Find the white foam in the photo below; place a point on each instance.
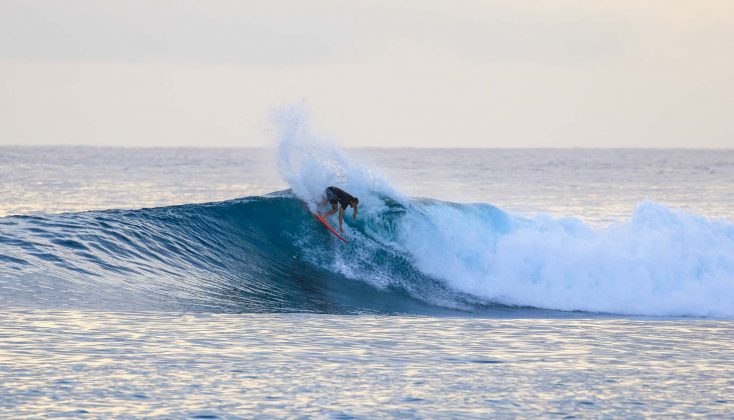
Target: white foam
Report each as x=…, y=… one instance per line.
x=661, y=262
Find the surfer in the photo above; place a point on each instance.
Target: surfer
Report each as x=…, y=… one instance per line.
x=337, y=196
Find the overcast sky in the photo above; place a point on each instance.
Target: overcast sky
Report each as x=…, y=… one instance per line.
x=371, y=73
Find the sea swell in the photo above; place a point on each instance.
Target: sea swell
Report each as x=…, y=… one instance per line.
x=242, y=255
x=268, y=254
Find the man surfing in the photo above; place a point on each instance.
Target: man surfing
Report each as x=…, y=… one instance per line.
x=337, y=196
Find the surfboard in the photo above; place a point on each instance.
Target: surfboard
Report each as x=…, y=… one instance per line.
x=328, y=226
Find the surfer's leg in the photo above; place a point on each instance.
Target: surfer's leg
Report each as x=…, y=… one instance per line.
x=341, y=217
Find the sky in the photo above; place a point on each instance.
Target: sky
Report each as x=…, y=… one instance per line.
x=562, y=73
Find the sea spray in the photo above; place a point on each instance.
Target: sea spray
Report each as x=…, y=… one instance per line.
x=661, y=262
x=309, y=163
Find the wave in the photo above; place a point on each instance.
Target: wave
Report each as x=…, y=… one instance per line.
x=405, y=255
x=268, y=254
x=257, y=254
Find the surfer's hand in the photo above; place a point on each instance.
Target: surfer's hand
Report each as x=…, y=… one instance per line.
x=341, y=229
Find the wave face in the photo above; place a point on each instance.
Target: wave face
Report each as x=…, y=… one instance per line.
x=268, y=254
x=258, y=254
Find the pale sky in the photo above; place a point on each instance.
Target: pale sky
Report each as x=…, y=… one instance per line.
x=558, y=73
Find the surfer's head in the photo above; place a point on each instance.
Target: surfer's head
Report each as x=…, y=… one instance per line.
x=354, y=202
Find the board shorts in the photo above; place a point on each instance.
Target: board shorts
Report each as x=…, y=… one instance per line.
x=331, y=196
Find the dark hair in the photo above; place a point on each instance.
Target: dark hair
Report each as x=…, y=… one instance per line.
x=356, y=200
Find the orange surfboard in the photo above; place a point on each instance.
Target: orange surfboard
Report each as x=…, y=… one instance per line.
x=328, y=226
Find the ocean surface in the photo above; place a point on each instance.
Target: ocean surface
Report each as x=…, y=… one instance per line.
x=195, y=283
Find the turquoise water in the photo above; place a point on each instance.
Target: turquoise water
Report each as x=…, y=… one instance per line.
x=195, y=283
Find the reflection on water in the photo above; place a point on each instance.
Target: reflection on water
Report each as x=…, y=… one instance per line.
x=226, y=365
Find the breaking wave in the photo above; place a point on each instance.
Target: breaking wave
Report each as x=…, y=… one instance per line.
x=405, y=255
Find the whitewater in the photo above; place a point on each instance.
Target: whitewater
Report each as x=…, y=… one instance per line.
x=196, y=283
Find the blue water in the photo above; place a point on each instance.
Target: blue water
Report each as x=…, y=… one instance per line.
x=185, y=283
x=267, y=254
x=245, y=255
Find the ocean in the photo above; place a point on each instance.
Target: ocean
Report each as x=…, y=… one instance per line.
x=195, y=283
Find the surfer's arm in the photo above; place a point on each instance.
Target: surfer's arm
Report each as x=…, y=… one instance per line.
x=332, y=211
x=354, y=215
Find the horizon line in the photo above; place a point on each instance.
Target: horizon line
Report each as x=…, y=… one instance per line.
x=86, y=146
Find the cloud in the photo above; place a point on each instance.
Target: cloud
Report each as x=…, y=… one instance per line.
x=380, y=73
